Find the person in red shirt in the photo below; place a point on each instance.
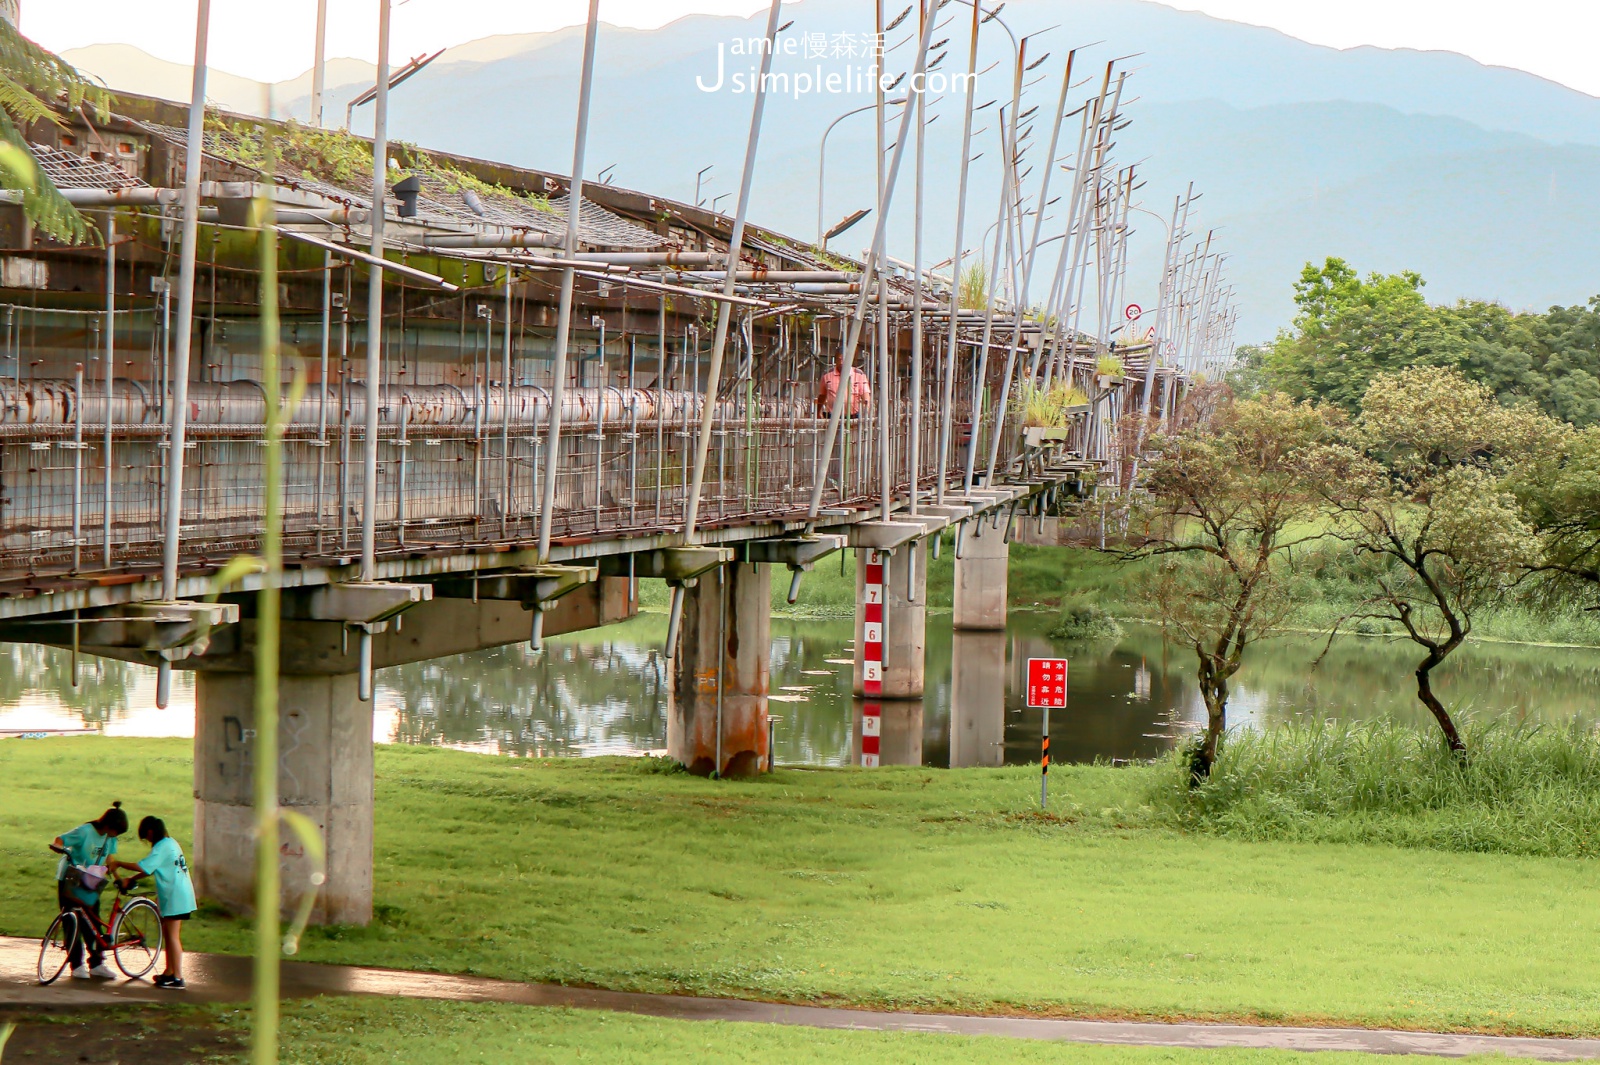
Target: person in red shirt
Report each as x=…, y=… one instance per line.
x=860, y=393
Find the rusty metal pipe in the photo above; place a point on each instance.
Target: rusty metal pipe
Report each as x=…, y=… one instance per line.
x=493, y=238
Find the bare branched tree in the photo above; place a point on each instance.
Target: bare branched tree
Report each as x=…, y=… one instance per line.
x=1228, y=499
x=1417, y=489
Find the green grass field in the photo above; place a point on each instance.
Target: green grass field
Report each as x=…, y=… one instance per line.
x=910, y=888
x=365, y=1032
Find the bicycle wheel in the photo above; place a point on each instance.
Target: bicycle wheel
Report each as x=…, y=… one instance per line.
x=56, y=945
x=136, y=938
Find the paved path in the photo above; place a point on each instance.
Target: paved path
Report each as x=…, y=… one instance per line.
x=225, y=978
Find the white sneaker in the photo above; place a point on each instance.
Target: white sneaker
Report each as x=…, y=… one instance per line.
x=81, y=972
x=103, y=972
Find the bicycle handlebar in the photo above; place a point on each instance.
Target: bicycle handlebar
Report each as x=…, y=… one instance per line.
x=58, y=850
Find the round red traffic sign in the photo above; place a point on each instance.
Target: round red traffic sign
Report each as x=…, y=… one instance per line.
x=1133, y=312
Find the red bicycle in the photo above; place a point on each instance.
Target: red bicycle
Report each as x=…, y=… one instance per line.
x=132, y=935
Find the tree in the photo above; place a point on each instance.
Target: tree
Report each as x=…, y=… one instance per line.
x=1348, y=330
x=1227, y=492
x=33, y=79
x=1560, y=495
x=1418, y=489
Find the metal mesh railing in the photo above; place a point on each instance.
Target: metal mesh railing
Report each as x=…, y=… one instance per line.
x=457, y=467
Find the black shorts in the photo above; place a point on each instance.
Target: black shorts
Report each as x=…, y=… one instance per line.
x=177, y=916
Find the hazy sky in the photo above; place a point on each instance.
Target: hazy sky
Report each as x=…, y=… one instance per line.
x=1552, y=38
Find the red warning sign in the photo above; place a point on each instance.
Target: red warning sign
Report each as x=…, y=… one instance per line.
x=1047, y=683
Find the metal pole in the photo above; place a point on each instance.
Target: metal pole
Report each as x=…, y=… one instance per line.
x=111, y=372
x=950, y=348
x=1060, y=301
x=914, y=450
x=318, y=66
x=982, y=372
x=599, y=322
x=77, y=468
x=868, y=279
x=380, y=188
x=193, y=160
x=1044, y=761
x=708, y=404
x=1044, y=195
x=881, y=330
x=505, y=415
x=322, y=391
x=722, y=588
x=822, y=160
x=552, y=457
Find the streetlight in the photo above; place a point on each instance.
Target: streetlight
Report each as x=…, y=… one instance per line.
x=822, y=154
x=416, y=64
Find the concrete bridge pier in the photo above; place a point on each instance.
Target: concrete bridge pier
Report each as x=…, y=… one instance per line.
x=717, y=706
x=980, y=579
x=905, y=620
x=325, y=751
x=324, y=773
x=977, y=698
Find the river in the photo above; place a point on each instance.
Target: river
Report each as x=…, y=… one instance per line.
x=604, y=692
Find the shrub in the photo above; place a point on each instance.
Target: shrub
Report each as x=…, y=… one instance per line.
x=1520, y=790
x=1082, y=620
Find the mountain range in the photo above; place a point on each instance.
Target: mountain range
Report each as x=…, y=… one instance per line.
x=1481, y=178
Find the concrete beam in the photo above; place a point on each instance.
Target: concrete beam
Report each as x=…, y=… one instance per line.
x=669, y=563
x=432, y=629
x=888, y=535
x=951, y=514
x=160, y=630
x=353, y=602
x=799, y=552
x=530, y=587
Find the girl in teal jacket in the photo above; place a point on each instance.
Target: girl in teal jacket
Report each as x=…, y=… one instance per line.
x=174, y=893
x=91, y=843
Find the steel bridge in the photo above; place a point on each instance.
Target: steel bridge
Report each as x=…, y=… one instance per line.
x=514, y=395
x=463, y=405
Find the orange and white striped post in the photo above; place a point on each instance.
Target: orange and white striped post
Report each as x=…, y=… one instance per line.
x=1047, y=689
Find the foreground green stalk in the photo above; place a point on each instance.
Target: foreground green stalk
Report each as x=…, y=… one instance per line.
x=264, y=1033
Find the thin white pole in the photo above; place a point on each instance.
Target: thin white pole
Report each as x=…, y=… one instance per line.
x=380, y=189
x=552, y=460
x=319, y=64
x=951, y=345
x=110, y=374
x=193, y=160
x=708, y=403
x=868, y=279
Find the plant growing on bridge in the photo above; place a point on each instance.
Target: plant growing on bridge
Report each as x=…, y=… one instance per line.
x=973, y=291
x=1228, y=500
x=1048, y=407
x=32, y=81
x=1418, y=489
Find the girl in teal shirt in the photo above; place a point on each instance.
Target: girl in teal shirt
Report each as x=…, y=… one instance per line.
x=91, y=843
x=174, y=893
